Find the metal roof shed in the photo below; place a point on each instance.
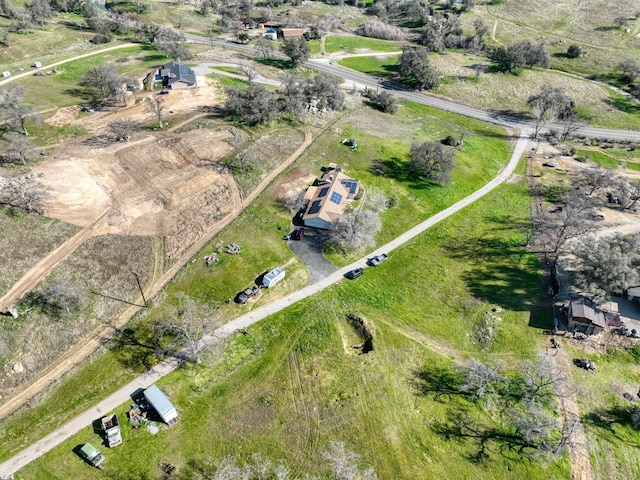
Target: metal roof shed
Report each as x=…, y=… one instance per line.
x=161, y=404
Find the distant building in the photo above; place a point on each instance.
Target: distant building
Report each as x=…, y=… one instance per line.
x=271, y=34
x=327, y=198
x=288, y=33
x=176, y=75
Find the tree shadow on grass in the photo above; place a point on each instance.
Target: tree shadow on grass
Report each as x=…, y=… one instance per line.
x=136, y=348
x=437, y=381
x=617, y=415
x=276, y=62
x=624, y=104
x=461, y=426
x=500, y=271
x=398, y=169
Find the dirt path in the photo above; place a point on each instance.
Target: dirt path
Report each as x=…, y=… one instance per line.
x=39, y=272
x=76, y=355
x=66, y=60
x=570, y=410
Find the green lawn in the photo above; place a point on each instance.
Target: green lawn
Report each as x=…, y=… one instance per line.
x=383, y=66
x=354, y=44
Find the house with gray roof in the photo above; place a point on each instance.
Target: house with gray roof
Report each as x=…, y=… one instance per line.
x=176, y=75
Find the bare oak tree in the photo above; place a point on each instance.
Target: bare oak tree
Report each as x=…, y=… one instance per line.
x=573, y=217
x=344, y=463
x=482, y=379
x=23, y=193
x=19, y=148
x=187, y=325
x=608, y=265
x=14, y=112
x=356, y=230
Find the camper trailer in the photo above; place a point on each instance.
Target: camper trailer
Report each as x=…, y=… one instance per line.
x=273, y=277
x=161, y=404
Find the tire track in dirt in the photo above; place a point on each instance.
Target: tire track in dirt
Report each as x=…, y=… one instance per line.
x=76, y=355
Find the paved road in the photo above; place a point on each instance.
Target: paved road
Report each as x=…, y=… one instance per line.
x=325, y=66
x=123, y=395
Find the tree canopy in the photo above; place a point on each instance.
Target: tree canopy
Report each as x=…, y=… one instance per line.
x=416, y=70
x=431, y=161
x=608, y=265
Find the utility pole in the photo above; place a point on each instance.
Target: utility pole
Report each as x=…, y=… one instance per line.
x=137, y=275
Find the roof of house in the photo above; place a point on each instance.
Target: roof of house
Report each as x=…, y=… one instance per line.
x=584, y=308
x=328, y=198
x=177, y=72
x=292, y=32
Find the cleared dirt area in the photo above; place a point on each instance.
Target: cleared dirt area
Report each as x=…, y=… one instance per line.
x=151, y=185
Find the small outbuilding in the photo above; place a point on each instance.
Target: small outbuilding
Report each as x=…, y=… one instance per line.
x=37, y=64
x=157, y=399
x=586, y=316
x=273, y=277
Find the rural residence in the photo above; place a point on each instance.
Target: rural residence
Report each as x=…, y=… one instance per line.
x=327, y=198
x=176, y=75
x=585, y=316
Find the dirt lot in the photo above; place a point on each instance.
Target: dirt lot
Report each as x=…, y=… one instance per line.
x=151, y=185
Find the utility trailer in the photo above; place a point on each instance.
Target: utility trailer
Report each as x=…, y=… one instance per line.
x=111, y=428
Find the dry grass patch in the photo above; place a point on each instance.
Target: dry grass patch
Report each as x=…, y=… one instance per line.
x=510, y=92
x=25, y=240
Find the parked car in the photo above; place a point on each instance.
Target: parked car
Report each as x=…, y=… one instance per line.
x=297, y=234
x=245, y=295
x=92, y=455
x=353, y=274
x=377, y=260
x=550, y=164
x=163, y=92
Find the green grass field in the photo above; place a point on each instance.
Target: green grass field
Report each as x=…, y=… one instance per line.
x=606, y=414
x=259, y=230
x=292, y=384
x=353, y=45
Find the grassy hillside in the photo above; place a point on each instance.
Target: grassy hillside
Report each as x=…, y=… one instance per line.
x=293, y=384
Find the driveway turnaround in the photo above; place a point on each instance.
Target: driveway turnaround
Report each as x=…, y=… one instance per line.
x=145, y=380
